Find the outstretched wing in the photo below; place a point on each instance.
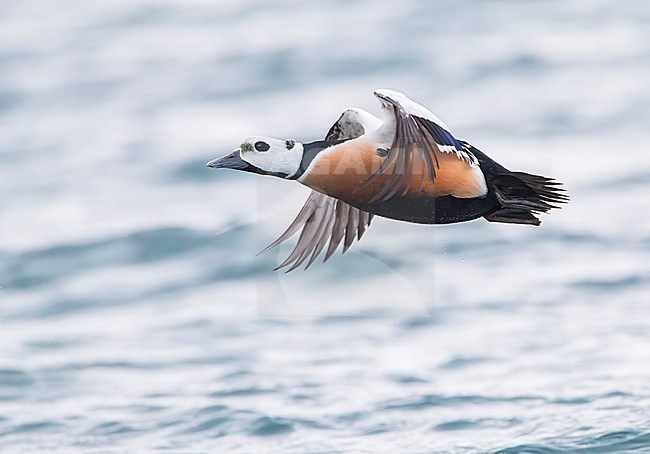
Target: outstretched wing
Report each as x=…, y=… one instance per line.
x=419, y=135
x=324, y=218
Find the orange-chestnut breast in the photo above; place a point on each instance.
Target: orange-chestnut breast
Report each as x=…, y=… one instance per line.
x=342, y=170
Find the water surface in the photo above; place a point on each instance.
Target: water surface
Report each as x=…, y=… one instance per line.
x=135, y=317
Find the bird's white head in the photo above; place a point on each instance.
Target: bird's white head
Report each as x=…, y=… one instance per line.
x=265, y=156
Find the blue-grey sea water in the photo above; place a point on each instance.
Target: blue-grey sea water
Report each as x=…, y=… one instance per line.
x=135, y=316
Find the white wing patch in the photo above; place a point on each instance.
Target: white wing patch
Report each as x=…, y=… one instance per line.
x=402, y=107
x=409, y=106
x=353, y=123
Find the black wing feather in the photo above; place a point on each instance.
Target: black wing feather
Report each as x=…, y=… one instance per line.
x=416, y=143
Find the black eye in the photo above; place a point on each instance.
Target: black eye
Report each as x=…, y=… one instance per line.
x=262, y=146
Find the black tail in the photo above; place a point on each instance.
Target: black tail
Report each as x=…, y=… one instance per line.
x=521, y=196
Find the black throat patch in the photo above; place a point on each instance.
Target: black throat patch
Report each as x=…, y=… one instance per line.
x=309, y=153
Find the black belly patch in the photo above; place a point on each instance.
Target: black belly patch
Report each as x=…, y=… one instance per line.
x=433, y=210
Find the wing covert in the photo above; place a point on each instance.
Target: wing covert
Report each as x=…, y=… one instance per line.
x=419, y=135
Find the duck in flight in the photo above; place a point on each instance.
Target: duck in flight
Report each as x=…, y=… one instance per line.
x=408, y=167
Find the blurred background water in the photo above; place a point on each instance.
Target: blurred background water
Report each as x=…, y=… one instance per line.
x=134, y=316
